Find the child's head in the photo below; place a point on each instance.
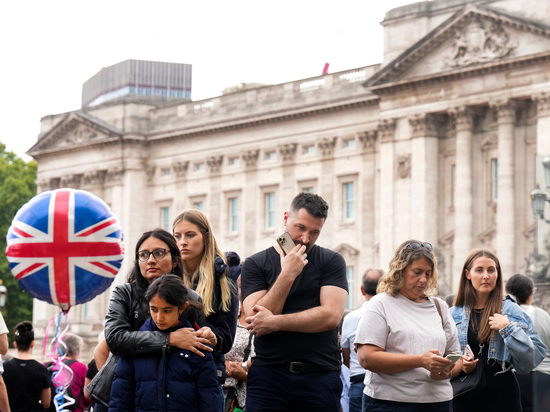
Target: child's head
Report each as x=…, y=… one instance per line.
x=167, y=297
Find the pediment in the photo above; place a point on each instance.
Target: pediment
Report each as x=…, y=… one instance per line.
x=473, y=38
x=76, y=129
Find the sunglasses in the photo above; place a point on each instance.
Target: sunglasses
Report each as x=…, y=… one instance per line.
x=416, y=245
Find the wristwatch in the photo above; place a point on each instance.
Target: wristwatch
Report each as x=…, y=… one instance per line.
x=245, y=366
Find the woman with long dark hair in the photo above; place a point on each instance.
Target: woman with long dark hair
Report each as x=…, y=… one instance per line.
x=499, y=333
x=176, y=379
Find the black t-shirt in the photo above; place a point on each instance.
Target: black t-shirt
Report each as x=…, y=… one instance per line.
x=25, y=388
x=325, y=268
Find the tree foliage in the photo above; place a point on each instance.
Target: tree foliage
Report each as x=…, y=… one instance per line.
x=17, y=187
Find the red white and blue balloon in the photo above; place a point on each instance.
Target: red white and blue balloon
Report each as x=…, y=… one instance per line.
x=65, y=247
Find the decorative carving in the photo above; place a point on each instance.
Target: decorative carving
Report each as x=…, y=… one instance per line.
x=463, y=117
x=71, y=180
x=490, y=141
x=486, y=237
x=476, y=44
x=404, y=166
x=43, y=185
x=114, y=175
x=180, y=168
x=288, y=151
x=368, y=138
x=150, y=171
x=214, y=163
x=94, y=178
x=426, y=125
x=542, y=101
x=386, y=130
x=78, y=135
x=505, y=110
x=250, y=157
x=326, y=145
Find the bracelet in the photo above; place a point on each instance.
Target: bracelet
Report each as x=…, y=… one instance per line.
x=245, y=366
x=451, y=375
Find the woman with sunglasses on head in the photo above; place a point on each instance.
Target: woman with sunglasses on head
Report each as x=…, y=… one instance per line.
x=405, y=335
x=499, y=333
x=156, y=254
x=205, y=271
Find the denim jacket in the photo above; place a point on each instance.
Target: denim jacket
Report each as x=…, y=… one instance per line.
x=517, y=343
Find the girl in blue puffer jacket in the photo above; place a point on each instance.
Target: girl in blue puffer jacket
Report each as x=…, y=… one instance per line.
x=177, y=379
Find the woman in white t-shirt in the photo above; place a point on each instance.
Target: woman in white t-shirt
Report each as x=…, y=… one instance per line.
x=405, y=335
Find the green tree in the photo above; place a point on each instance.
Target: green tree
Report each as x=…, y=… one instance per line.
x=17, y=187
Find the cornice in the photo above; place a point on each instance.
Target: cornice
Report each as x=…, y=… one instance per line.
x=481, y=69
x=265, y=118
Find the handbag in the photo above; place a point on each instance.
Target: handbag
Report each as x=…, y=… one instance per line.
x=465, y=385
x=468, y=385
x=99, y=387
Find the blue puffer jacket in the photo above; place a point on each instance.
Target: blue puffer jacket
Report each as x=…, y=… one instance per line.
x=517, y=343
x=178, y=380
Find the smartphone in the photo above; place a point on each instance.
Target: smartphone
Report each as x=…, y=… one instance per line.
x=469, y=353
x=286, y=243
x=454, y=358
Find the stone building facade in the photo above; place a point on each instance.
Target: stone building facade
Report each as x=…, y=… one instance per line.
x=438, y=143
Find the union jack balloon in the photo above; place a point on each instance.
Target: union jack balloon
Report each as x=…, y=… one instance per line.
x=65, y=247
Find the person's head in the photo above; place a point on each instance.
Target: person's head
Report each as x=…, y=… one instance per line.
x=413, y=271
x=24, y=336
x=305, y=218
x=449, y=300
x=233, y=258
x=370, y=281
x=168, y=299
x=74, y=345
x=521, y=287
x=481, y=284
x=156, y=254
x=199, y=249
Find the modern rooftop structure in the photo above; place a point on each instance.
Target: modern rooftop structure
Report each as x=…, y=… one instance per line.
x=138, y=77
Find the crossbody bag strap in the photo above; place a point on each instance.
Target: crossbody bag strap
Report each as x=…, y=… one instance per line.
x=439, y=311
x=246, y=355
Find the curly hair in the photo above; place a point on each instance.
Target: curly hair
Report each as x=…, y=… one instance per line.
x=393, y=281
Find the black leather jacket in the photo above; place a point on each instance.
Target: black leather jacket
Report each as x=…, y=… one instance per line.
x=128, y=310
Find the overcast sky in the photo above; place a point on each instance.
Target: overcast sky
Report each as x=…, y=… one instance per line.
x=50, y=48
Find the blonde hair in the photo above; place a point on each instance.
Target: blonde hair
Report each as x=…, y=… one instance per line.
x=393, y=281
x=205, y=271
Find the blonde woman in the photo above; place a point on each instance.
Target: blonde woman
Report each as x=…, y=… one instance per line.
x=205, y=271
x=405, y=335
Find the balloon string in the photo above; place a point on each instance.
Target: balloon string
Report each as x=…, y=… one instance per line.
x=62, y=375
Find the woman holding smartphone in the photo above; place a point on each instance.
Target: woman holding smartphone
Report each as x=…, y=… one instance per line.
x=405, y=336
x=205, y=271
x=499, y=333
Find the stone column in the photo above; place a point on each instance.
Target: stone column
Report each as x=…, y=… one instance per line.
x=327, y=184
x=369, y=211
x=543, y=122
x=424, y=178
x=215, y=207
x=463, y=239
x=386, y=133
x=250, y=159
x=288, y=153
x=506, y=222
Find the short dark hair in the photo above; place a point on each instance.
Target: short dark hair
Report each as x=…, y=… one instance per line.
x=135, y=275
x=314, y=204
x=521, y=287
x=24, y=335
x=370, y=285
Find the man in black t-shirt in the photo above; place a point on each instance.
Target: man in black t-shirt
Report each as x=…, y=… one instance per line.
x=293, y=304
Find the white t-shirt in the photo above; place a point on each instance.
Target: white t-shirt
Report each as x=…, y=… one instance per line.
x=399, y=325
x=541, y=320
x=349, y=328
x=3, y=327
